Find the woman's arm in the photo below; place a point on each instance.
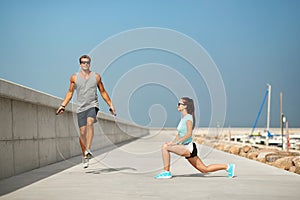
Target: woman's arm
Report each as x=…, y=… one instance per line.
x=189, y=126
x=175, y=141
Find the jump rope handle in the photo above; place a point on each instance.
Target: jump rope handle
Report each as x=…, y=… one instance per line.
x=58, y=111
x=111, y=111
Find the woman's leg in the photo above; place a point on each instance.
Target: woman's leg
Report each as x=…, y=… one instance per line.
x=199, y=165
x=177, y=149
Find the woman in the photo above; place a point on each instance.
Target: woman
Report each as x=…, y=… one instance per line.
x=183, y=144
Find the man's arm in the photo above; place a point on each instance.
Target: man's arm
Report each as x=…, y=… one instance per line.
x=104, y=94
x=68, y=96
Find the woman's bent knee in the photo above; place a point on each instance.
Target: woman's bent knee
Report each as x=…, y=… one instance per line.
x=164, y=147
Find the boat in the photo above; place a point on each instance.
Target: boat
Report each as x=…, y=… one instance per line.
x=294, y=141
x=276, y=140
x=262, y=138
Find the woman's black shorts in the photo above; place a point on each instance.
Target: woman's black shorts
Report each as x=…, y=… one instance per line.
x=194, y=152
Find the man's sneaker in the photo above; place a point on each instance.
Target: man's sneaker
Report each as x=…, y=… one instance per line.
x=163, y=175
x=88, y=154
x=85, y=162
x=230, y=170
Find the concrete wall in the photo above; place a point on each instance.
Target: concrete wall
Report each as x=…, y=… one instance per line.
x=32, y=136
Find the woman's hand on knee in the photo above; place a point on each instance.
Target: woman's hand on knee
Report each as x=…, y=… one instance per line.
x=170, y=143
x=166, y=144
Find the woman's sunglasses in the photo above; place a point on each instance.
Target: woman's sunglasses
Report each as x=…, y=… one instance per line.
x=179, y=103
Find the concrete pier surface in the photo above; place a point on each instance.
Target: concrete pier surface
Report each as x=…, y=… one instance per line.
x=126, y=171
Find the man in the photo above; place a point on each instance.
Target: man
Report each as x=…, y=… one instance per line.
x=86, y=82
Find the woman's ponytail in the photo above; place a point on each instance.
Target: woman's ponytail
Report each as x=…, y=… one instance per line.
x=190, y=108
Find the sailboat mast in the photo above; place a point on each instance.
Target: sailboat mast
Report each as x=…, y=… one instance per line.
x=269, y=105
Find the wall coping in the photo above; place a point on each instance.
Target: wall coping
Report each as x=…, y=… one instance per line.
x=19, y=92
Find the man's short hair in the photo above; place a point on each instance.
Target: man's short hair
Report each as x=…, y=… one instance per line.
x=84, y=56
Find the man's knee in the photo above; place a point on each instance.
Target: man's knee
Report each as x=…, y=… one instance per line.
x=82, y=130
x=90, y=122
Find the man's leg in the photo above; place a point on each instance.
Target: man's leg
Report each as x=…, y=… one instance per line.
x=82, y=139
x=90, y=132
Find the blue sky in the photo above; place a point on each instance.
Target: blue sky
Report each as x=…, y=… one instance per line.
x=252, y=43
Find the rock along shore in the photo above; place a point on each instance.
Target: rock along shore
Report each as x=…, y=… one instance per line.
x=287, y=160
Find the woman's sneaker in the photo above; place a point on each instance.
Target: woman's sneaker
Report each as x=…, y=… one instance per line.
x=163, y=175
x=230, y=170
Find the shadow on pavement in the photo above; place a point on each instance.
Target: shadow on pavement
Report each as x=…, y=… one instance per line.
x=109, y=170
x=197, y=175
x=16, y=182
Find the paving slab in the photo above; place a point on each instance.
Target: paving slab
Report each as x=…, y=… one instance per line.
x=126, y=172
